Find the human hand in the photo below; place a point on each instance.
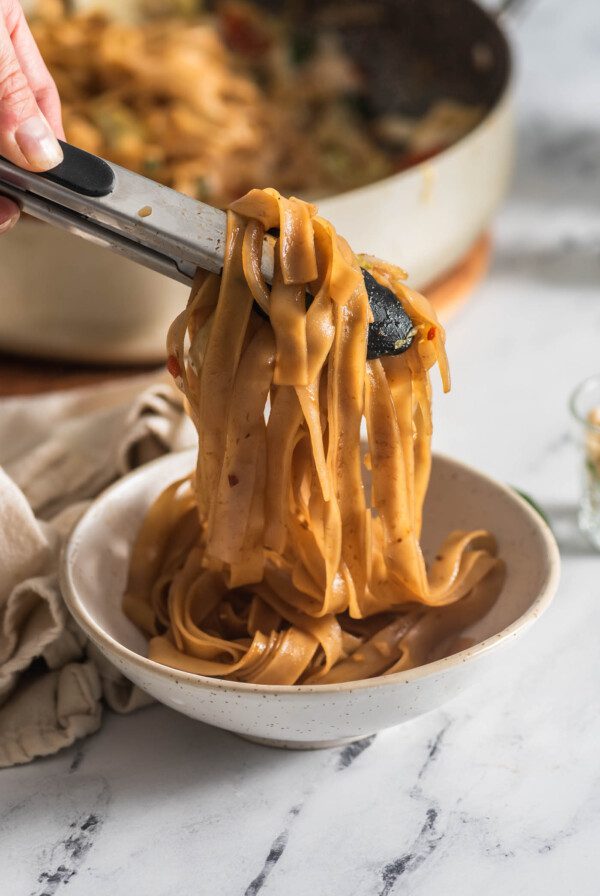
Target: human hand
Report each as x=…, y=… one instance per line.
x=30, y=119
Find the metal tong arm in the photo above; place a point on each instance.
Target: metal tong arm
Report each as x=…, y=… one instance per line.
x=146, y=221
x=162, y=229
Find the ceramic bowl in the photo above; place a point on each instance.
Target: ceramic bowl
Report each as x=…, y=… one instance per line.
x=94, y=572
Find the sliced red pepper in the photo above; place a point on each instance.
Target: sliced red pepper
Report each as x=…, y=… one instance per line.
x=410, y=159
x=242, y=32
x=431, y=333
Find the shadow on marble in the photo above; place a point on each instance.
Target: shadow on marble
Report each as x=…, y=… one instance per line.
x=572, y=262
x=557, y=177
x=159, y=751
x=558, y=164
x=571, y=540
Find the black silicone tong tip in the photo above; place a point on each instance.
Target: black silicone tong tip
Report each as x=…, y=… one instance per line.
x=392, y=330
x=82, y=172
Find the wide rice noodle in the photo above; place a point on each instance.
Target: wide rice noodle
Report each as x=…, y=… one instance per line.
x=271, y=563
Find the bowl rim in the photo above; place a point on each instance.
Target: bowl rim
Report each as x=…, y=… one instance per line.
x=102, y=639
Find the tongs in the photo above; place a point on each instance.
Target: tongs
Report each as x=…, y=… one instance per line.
x=161, y=228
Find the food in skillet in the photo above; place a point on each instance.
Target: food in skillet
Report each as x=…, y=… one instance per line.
x=213, y=103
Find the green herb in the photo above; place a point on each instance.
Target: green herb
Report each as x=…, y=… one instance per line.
x=358, y=104
x=201, y=189
x=593, y=469
x=151, y=166
x=302, y=46
x=533, y=504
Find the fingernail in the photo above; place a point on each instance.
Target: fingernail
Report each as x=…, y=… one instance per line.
x=9, y=214
x=38, y=144
x=7, y=225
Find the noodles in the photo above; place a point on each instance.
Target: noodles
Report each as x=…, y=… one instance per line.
x=271, y=564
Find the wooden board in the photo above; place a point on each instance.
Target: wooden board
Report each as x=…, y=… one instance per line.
x=30, y=376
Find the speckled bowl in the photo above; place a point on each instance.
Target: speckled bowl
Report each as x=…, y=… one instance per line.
x=94, y=572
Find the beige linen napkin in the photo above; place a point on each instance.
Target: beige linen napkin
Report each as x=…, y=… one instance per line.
x=59, y=451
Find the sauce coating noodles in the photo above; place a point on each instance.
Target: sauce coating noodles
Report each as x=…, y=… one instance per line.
x=272, y=563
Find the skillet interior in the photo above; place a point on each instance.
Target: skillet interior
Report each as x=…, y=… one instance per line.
x=413, y=51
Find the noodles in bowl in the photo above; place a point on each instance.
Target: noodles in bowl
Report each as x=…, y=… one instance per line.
x=272, y=564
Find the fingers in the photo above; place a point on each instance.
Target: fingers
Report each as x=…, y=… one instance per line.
x=9, y=214
x=49, y=103
x=34, y=67
x=26, y=137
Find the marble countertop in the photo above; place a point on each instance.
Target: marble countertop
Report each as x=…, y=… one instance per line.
x=498, y=792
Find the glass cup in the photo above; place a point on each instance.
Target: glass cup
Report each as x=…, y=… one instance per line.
x=585, y=408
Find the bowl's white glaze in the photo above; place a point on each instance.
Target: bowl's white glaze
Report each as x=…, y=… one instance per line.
x=94, y=572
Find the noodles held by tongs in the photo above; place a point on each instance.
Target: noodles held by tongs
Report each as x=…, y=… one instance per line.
x=271, y=564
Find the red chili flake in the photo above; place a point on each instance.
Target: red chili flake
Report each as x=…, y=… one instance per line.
x=431, y=333
x=173, y=366
x=232, y=479
x=243, y=31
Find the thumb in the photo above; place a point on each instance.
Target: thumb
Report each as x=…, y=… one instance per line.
x=26, y=138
